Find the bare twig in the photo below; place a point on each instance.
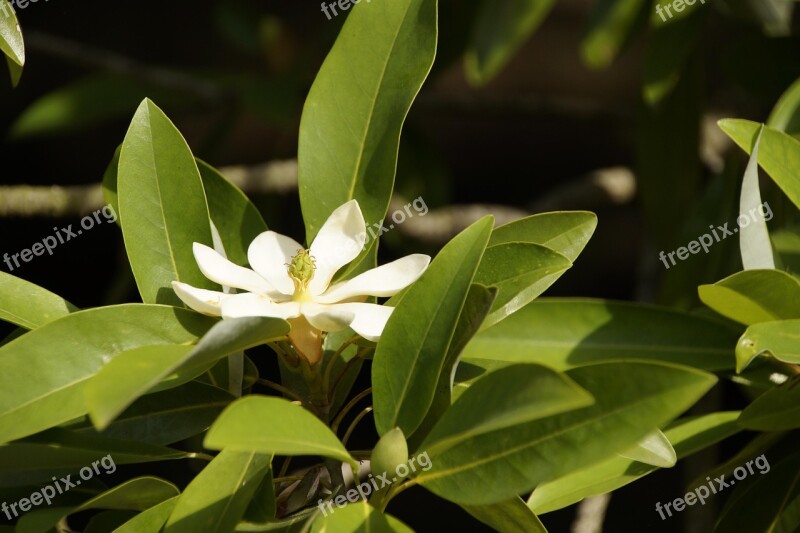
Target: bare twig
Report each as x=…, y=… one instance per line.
x=96, y=58
x=591, y=514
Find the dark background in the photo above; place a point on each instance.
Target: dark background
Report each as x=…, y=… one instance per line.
x=544, y=123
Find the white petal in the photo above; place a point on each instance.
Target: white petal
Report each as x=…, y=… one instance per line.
x=269, y=254
x=327, y=317
x=340, y=240
x=218, y=269
x=242, y=305
x=386, y=280
x=201, y=300
x=369, y=319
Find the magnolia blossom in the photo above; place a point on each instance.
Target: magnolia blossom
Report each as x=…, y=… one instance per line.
x=290, y=282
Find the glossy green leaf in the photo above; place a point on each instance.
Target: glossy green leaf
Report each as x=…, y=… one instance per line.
x=610, y=26
x=777, y=494
x=687, y=435
x=521, y=271
x=778, y=154
x=776, y=409
x=59, y=452
x=350, y=130
x=562, y=333
x=85, y=341
x=479, y=301
x=785, y=115
x=754, y=242
x=235, y=217
x=14, y=70
x=630, y=398
x=217, y=497
x=655, y=449
x=358, y=517
x=565, y=232
x=168, y=416
x=413, y=348
x=779, y=339
x=505, y=399
x=111, y=180
x=28, y=305
x=275, y=426
x=149, y=520
x=162, y=206
x=11, y=42
x=136, y=495
x=754, y=296
x=510, y=516
x=132, y=374
x=500, y=30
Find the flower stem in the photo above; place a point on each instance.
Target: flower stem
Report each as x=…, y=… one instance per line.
x=348, y=407
x=280, y=388
x=355, y=422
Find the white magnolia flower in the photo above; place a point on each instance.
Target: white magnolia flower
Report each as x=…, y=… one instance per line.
x=290, y=282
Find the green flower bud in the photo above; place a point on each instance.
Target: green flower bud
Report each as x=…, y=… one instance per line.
x=390, y=452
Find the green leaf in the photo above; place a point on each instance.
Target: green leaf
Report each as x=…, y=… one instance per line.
x=785, y=115
x=500, y=30
x=149, y=520
x=11, y=35
x=776, y=409
x=754, y=296
x=562, y=333
x=235, y=217
x=565, y=232
x=413, y=348
x=521, y=271
x=505, y=399
x=110, y=181
x=168, y=416
x=136, y=495
x=510, y=516
x=611, y=24
x=687, y=435
x=479, y=301
x=778, y=339
x=358, y=518
x=273, y=426
x=86, y=340
x=14, y=70
x=59, y=452
x=350, y=130
x=765, y=502
x=84, y=104
x=217, y=498
x=631, y=397
x=162, y=206
x=754, y=242
x=778, y=154
x=132, y=374
x=28, y=305
x=655, y=449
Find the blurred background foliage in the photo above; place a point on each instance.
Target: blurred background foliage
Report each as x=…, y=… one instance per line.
x=533, y=105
